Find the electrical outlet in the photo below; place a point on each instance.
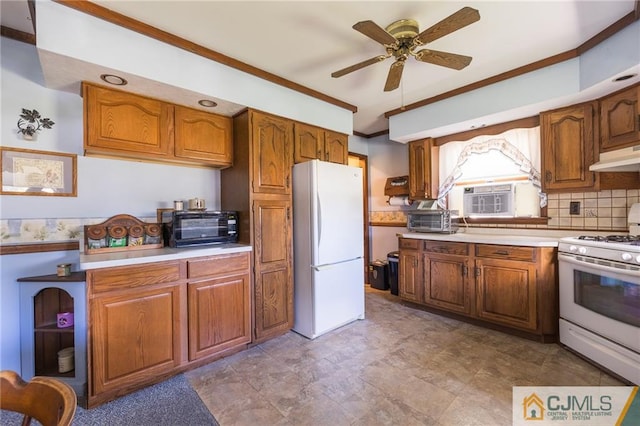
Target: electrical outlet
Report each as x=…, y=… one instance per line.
x=574, y=207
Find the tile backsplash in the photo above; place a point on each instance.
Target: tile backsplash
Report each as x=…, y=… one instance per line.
x=595, y=211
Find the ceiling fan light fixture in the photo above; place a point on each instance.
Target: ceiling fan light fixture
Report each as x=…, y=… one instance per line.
x=402, y=37
x=403, y=29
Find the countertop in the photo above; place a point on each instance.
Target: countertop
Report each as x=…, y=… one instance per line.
x=124, y=258
x=488, y=238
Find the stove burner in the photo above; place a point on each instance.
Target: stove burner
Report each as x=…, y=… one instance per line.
x=633, y=239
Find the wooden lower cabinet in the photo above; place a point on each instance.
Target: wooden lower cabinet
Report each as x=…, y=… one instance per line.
x=410, y=281
x=446, y=282
x=151, y=321
x=507, y=293
x=219, y=304
x=514, y=287
x=135, y=335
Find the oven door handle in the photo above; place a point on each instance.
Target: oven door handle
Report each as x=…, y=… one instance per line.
x=601, y=266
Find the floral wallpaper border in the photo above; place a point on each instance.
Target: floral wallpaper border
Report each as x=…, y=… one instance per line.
x=23, y=231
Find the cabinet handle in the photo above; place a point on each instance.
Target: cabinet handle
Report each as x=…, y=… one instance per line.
x=477, y=271
x=501, y=252
x=287, y=181
x=288, y=213
x=465, y=270
x=548, y=176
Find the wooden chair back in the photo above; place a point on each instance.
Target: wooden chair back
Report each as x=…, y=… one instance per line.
x=50, y=401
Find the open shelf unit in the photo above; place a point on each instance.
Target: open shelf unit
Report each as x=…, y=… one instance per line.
x=41, y=299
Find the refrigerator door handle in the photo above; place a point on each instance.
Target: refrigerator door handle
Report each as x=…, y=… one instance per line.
x=319, y=204
x=331, y=265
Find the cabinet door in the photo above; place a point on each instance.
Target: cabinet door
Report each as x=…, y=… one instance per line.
x=203, y=136
x=273, y=268
x=124, y=124
x=307, y=143
x=272, y=158
x=506, y=292
x=136, y=336
x=568, y=148
x=620, y=119
x=447, y=282
x=410, y=279
x=423, y=169
x=336, y=147
x=219, y=314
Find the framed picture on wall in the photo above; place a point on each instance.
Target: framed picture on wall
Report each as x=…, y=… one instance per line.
x=30, y=172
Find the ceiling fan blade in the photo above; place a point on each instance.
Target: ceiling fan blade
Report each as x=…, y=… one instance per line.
x=444, y=59
x=394, y=76
x=375, y=32
x=357, y=66
x=460, y=19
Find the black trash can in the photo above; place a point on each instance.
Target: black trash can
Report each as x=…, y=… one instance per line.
x=393, y=259
x=378, y=275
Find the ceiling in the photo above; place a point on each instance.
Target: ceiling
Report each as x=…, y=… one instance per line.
x=305, y=41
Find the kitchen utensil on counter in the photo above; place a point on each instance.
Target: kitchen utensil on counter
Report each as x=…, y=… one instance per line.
x=178, y=205
x=196, y=204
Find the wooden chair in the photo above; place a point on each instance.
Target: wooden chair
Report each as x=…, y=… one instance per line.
x=50, y=401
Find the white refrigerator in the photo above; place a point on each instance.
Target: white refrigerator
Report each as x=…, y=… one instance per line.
x=328, y=246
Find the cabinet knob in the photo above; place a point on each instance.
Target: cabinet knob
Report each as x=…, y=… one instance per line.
x=548, y=176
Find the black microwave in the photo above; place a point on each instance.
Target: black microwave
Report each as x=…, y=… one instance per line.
x=194, y=228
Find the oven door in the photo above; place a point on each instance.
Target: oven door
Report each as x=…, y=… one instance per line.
x=602, y=297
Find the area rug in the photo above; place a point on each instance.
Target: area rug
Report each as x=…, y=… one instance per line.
x=171, y=403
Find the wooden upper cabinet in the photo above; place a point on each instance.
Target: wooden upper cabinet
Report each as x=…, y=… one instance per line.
x=120, y=122
x=204, y=136
x=620, y=119
x=336, y=147
x=568, y=138
x=423, y=169
x=311, y=142
x=308, y=143
x=271, y=138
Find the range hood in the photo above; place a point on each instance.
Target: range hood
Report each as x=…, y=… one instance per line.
x=620, y=160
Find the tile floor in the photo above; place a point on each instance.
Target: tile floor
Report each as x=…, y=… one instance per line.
x=399, y=366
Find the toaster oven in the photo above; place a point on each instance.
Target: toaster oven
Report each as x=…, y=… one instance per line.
x=194, y=228
x=427, y=219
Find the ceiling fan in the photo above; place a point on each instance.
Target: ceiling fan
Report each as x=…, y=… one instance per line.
x=402, y=38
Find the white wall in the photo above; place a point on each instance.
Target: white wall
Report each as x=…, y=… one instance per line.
x=386, y=159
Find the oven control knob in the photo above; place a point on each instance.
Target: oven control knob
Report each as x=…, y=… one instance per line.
x=638, y=258
x=626, y=257
x=582, y=250
x=573, y=248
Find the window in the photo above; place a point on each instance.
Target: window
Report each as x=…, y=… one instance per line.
x=510, y=157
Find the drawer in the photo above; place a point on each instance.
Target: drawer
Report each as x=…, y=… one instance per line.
x=218, y=265
x=446, y=247
x=506, y=252
x=409, y=244
x=117, y=278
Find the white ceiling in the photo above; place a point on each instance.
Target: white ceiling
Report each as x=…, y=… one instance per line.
x=304, y=41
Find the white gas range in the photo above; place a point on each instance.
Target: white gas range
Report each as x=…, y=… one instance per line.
x=600, y=300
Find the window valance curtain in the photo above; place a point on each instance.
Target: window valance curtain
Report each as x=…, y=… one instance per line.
x=514, y=152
